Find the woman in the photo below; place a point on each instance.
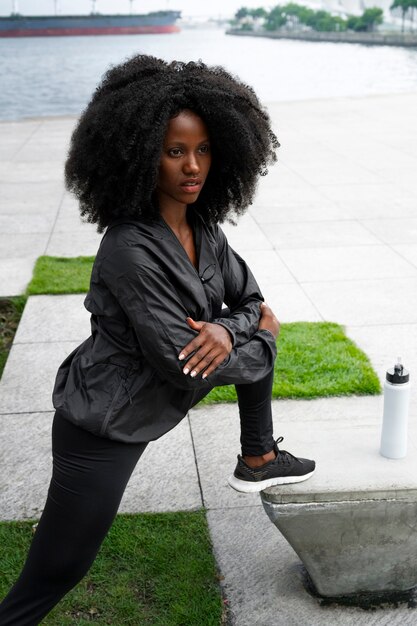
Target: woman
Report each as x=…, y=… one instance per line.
x=162, y=153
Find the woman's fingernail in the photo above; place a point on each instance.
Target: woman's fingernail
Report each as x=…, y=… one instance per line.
x=204, y=376
x=181, y=357
x=193, y=374
x=185, y=370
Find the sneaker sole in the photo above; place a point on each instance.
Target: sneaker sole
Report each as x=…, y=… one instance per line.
x=248, y=487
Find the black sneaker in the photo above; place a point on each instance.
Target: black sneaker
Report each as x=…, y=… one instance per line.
x=284, y=469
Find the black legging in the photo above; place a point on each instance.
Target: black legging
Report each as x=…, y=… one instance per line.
x=89, y=477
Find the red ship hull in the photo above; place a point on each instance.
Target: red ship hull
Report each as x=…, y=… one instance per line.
x=86, y=25
x=71, y=32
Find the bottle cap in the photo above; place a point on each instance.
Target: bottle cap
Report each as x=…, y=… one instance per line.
x=398, y=375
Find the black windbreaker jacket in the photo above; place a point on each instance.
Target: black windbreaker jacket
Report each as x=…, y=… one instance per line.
x=125, y=381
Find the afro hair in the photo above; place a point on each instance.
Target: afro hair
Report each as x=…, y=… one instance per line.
x=113, y=161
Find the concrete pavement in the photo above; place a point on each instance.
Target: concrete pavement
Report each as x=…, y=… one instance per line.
x=332, y=235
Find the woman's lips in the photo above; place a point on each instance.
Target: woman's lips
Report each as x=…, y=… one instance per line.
x=191, y=186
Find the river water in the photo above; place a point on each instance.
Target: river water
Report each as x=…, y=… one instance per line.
x=56, y=76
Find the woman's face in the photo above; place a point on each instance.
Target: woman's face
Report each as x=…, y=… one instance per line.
x=185, y=161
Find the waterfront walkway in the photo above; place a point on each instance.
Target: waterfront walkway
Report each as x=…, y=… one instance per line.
x=332, y=236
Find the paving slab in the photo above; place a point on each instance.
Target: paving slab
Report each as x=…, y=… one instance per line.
x=291, y=303
x=282, y=210
x=15, y=274
x=11, y=224
x=384, y=344
x=73, y=243
x=268, y=268
x=26, y=466
x=29, y=375
x=366, y=302
x=32, y=172
x=49, y=318
x=362, y=201
x=178, y=488
x=248, y=236
x=275, y=198
x=319, y=234
x=30, y=198
x=407, y=251
x=23, y=245
x=395, y=230
x=346, y=263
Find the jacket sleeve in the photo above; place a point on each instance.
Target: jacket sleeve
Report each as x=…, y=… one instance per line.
x=158, y=317
x=242, y=293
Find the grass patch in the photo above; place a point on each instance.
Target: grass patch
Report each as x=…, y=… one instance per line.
x=59, y=275
x=11, y=310
x=153, y=569
x=315, y=359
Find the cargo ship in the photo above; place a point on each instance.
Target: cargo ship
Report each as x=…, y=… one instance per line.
x=94, y=24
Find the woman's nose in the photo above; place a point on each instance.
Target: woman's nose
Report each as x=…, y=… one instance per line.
x=191, y=165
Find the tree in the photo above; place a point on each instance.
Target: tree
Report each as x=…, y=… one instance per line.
x=258, y=13
x=275, y=19
x=372, y=17
x=241, y=13
x=404, y=5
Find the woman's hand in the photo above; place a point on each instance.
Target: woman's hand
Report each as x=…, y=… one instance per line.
x=268, y=320
x=212, y=345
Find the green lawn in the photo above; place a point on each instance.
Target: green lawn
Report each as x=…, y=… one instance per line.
x=153, y=569
x=57, y=275
x=315, y=359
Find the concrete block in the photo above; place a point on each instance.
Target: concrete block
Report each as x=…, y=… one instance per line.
x=353, y=547
x=263, y=578
x=353, y=523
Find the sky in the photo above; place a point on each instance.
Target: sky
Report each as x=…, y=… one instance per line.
x=208, y=8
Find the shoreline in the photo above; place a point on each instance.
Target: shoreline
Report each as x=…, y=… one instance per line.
x=405, y=40
x=72, y=116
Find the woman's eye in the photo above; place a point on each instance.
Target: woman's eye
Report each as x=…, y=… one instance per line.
x=205, y=149
x=175, y=152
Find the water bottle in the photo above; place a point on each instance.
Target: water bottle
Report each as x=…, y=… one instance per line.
x=395, y=417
